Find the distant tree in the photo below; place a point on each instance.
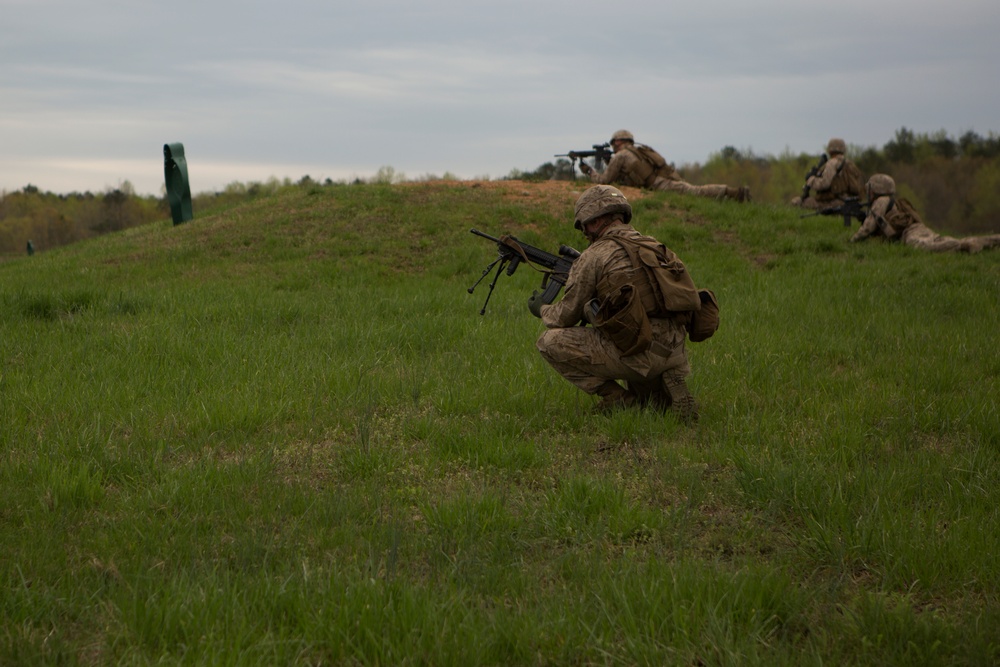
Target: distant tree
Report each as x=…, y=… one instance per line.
x=943, y=145
x=969, y=143
x=731, y=153
x=561, y=170
x=903, y=148
x=387, y=176
x=986, y=197
x=113, y=216
x=974, y=145
x=872, y=161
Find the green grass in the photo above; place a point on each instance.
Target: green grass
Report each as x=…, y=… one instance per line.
x=283, y=434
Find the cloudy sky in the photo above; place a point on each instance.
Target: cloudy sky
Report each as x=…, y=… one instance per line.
x=90, y=90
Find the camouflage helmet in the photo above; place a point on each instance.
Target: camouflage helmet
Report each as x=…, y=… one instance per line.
x=881, y=185
x=623, y=134
x=836, y=146
x=601, y=200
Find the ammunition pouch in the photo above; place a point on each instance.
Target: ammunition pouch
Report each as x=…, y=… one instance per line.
x=622, y=318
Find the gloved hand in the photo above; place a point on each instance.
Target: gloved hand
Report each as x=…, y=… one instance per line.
x=535, y=304
x=585, y=168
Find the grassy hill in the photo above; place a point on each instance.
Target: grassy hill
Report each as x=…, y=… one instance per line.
x=283, y=434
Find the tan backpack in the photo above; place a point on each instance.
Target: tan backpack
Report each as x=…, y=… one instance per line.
x=901, y=215
x=653, y=165
x=854, y=179
x=658, y=285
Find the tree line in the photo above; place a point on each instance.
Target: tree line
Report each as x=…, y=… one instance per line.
x=47, y=220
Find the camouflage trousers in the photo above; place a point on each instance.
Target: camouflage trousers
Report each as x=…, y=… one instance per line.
x=588, y=358
x=711, y=191
x=814, y=204
x=921, y=236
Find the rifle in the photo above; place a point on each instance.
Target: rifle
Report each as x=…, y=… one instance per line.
x=812, y=172
x=851, y=208
x=602, y=155
x=511, y=253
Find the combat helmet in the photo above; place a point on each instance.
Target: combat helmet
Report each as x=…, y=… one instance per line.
x=623, y=134
x=601, y=200
x=836, y=145
x=880, y=185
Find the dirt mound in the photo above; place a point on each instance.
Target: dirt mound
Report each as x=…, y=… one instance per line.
x=537, y=189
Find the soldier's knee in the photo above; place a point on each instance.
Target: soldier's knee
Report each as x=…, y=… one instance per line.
x=569, y=345
x=544, y=341
x=550, y=343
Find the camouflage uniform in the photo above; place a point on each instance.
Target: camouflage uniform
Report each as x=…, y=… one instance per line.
x=896, y=220
x=838, y=178
x=627, y=167
x=587, y=356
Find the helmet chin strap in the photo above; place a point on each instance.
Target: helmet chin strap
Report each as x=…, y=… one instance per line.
x=598, y=231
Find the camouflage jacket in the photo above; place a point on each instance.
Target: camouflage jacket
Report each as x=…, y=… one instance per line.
x=601, y=258
x=839, y=178
x=892, y=218
x=626, y=167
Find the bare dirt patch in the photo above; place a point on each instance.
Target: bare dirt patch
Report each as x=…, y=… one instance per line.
x=543, y=194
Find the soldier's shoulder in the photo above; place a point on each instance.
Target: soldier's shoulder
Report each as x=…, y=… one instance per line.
x=880, y=205
x=623, y=230
x=631, y=232
x=602, y=246
x=625, y=156
x=628, y=234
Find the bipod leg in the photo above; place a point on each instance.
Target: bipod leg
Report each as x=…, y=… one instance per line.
x=492, y=285
x=486, y=272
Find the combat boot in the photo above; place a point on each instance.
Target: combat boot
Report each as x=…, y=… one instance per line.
x=613, y=397
x=653, y=396
x=972, y=246
x=740, y=194
x=682, y=403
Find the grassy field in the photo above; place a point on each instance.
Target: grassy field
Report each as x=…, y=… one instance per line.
x=283, y=434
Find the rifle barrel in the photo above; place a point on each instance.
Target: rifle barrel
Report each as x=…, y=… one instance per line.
x=485, y=236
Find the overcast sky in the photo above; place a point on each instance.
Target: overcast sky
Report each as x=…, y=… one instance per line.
x=90, y=90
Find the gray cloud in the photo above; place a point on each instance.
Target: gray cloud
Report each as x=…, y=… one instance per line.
x=89, y=92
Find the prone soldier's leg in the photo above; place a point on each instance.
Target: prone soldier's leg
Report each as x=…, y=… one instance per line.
x=926, y=239
x=974, y=244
